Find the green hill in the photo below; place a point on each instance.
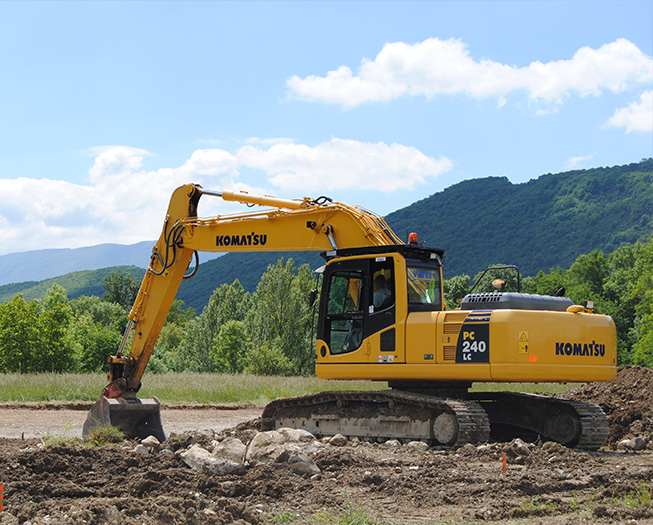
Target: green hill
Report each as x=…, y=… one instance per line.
x=537, y=225
x=76, y=283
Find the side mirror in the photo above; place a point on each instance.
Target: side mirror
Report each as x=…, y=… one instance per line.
x=499, y=284
x=312, y=297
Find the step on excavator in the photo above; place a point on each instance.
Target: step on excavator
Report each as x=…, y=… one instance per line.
x=381, y=317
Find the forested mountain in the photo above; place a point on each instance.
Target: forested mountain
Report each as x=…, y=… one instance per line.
x=538, y=225
x=544, y=223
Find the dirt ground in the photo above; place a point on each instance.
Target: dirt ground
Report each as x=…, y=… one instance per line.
x=359, y=482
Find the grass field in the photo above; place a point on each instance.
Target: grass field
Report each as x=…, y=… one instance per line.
x=178, y=388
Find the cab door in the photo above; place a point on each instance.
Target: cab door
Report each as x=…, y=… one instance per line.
x=357, y=316
x=341, y=325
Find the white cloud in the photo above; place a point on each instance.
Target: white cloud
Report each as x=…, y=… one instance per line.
x=343, y=164
x=638, y=116
x=444, y=67
x=574, y=162
x=124, y=203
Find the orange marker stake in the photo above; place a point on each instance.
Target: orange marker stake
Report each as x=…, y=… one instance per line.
x=2, y=497
x=503, y=465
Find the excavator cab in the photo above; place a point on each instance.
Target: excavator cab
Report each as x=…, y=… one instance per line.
x=367, y=294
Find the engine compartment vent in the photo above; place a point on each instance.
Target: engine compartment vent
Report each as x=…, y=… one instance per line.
x=514, y=301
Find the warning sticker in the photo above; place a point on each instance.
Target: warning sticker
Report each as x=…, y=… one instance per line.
x=523, y=341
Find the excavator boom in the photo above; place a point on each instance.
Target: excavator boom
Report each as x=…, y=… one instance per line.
x=285, y=225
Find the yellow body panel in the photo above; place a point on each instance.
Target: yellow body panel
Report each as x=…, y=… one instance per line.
x=523, y=345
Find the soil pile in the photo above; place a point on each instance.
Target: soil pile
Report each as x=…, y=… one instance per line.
x=358, y=482
x=627, y=401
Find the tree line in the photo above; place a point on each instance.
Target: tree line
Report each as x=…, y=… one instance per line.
x=267, y=332
x=270, y=331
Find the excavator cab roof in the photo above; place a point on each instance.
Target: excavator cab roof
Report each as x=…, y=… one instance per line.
x=409, y=251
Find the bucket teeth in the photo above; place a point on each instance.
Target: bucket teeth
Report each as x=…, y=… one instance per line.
x=137, y=418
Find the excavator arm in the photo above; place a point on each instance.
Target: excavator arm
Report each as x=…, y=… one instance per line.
x=284, y=225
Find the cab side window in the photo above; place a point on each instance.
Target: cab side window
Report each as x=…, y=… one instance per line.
x=382, y=289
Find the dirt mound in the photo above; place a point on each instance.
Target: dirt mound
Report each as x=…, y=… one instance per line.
x=359, y=483
x=627, y=401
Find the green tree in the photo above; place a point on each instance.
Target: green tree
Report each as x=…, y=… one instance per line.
x=121, y=288
x=57, y=354
x=229, y=302
x=455, y=289
x=96, y=331
x=545, y=283
x=267, y=360
x=231, y=347
x=281, y=317
x=107, y=314
x=20, y=336
x=93, y=343
x=643, y=290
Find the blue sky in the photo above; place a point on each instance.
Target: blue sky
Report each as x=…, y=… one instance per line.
x=106, y=107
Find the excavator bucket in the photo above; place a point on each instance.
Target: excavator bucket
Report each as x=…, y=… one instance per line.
x=137, y=418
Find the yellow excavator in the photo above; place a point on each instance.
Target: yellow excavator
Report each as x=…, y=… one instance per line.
x=381, y=317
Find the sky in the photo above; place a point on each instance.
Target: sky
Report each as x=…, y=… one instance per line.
x=106, y=107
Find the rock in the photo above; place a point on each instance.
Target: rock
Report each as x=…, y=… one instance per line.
x=299, y=462
x=266, y=447
x=637, y=443
x=167, y=452
x=520, y=448
x=338, y=440
x=201, y=460
x=393, y=443
x=141, y=450
x=417, y=446
x=296, y=434
x=467, y=450
x=150, y=442
x=231, y=448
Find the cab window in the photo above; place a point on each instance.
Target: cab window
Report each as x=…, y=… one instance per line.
x=424, y=288
x=382, y=293
x=344, y=292
x=344, y=315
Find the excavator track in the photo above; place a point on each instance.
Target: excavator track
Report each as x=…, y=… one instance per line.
x=382, y=415
x=573, y=423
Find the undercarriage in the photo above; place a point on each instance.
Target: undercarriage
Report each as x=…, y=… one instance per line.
x=447, y=422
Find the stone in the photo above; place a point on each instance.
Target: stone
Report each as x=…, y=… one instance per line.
x=299, y=462
x=636, y=443
x=266, y=447
x=520, y=448
x=231, y=448
x=201, y=460
x=141, y=450
x=296, y=434
x=338, y=440
x=150, y=442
